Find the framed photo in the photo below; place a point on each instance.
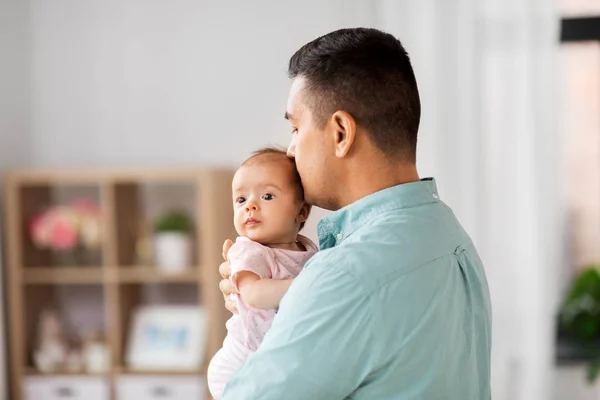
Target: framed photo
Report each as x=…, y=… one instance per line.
x=167, y=338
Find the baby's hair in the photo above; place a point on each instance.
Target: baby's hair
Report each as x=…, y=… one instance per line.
x=275, y=151
x=267, y=151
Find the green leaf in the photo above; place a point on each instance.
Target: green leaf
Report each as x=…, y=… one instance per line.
x=592, y=371
x=580, y=312
x=174, y=221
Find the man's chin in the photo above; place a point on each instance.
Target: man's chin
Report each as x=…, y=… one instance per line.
x=310, y=200
x=320, y=203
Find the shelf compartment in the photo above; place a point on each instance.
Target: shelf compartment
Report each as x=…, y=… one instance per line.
x=137, y=208
x=80, y=311
x=37, y=199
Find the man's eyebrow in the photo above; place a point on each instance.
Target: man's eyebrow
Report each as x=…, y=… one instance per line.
x=288, y=116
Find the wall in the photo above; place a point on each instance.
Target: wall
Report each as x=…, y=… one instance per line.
x=152, y=82
x=578, y=8
x=14, y=138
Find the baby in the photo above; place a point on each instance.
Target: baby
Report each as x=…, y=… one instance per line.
x=269, y=211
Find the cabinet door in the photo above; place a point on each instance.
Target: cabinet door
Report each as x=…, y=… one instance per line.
x=161, y=388
x=66, y=388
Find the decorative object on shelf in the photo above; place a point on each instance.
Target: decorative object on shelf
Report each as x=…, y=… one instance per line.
x=95, y=354
x=70, y=229
x=52, y=350
x=579, y=317
x=167, y=337
x=172, y=241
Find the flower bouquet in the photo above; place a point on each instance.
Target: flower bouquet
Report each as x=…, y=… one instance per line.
x=72, y=230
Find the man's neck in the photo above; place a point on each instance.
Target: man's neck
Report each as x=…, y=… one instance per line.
x=372, y=179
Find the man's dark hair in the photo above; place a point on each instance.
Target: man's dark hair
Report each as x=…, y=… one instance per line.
x=367, y=73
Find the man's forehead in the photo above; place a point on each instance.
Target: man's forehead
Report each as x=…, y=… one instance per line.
x=295, y=105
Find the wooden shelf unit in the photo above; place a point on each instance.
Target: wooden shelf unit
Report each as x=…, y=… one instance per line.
x=117, y=281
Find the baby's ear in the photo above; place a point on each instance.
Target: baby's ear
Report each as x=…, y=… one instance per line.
x=303, y=213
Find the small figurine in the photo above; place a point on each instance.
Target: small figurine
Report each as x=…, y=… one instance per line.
x=51, y=350
x=95, y=354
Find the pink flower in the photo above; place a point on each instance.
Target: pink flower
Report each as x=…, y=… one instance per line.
x=39, y=232
x=65, y=227
x=64, y=236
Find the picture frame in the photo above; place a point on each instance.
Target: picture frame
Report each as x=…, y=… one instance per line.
x=167, y=338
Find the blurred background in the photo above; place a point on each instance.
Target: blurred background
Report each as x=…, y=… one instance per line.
x=128, y=115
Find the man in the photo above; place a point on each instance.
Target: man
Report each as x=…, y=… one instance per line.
x=396, y=303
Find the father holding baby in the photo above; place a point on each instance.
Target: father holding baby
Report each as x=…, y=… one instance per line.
x=395, y=305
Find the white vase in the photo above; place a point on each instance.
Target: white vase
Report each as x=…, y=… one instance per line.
x=96, y=357
x=172, y=251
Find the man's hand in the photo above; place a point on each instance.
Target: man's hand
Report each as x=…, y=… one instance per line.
x=226, y=286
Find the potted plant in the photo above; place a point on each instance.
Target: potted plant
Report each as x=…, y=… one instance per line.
x=172, y=241
x=579, y=319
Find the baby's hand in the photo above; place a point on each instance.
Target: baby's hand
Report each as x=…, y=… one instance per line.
x=226, y=286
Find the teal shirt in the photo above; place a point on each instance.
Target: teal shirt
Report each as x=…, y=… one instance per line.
x=394, y=306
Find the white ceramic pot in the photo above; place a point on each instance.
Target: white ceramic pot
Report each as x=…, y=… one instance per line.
x=172, y=251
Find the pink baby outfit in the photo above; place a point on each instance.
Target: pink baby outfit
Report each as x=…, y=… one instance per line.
x=246, y=330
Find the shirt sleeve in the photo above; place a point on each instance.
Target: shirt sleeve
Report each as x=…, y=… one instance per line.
x=319, y=346
x=246, y=255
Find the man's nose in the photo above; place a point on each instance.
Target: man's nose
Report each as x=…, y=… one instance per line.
x=291, y=150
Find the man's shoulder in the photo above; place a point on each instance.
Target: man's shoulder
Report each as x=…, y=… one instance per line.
x=391, y=247
x=359, y=264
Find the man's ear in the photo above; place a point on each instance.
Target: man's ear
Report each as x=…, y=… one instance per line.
x=344, y=128
x=303, y=213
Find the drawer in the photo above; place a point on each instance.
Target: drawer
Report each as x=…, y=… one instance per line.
x=154, y=387
x=66, y=388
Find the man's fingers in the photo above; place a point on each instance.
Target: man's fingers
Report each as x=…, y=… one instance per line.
x=230, y=305
x=227, y=287
x=226, y=246
x=225, y=270
x=223, y=289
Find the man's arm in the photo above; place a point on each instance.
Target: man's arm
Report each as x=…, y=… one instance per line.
x=320, y=345
x=265, y=294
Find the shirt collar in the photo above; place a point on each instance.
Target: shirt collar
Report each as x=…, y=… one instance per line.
x=335, y=227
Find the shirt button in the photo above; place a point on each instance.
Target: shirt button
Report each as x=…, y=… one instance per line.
x=435, y=196
x=339, y=236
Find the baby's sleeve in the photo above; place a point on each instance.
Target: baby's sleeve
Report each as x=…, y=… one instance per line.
x=246, y=255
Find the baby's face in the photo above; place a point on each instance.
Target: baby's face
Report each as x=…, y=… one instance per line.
x=266, y=202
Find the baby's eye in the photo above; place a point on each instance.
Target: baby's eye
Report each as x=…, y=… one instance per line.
x=240, y=200
x=268, y=196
